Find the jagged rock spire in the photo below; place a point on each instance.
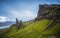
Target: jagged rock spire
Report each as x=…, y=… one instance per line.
x=19, y=24
x=17, y=20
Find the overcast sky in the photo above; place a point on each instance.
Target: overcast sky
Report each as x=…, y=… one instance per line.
x=22, y=9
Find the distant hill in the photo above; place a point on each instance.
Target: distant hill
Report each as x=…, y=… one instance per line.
x=7, y=23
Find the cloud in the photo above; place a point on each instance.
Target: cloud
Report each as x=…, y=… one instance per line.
x=4, y=19
x=22, y=11
x=23, y=14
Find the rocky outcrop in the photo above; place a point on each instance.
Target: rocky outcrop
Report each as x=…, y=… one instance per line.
x=48, y=12
x=19, y=24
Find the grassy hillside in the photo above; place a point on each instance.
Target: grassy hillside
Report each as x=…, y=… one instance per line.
x=33, y=30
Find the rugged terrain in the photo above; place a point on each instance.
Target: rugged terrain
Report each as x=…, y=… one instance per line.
x=45, y=25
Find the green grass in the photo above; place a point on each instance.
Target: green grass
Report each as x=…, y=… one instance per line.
x=53, y=30
x=33, y=30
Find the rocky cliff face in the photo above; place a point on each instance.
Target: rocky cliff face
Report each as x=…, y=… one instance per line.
x=48, y=12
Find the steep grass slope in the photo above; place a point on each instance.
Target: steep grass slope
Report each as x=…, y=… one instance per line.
x=52, y=33
x=31, y=30
x=34, y=30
